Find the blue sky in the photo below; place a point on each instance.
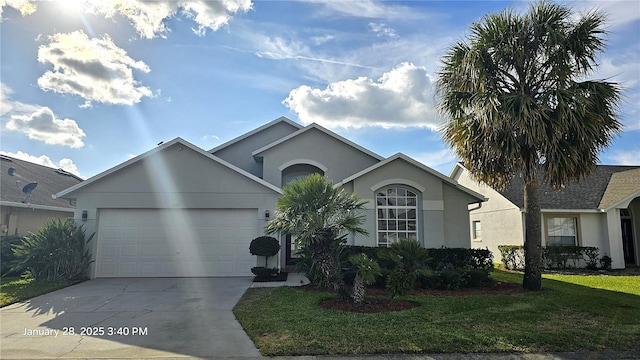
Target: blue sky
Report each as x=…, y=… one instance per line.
x=89, y=84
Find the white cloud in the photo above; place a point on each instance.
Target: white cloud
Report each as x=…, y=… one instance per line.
x=64, y=164
x=436, y=159
x=619, y=13
x=402, y=97
x=631, y=157
x=148, y=17
x=42, y=125
x=382, y=30
x=94, y=69
x=25, y=7
x=9, y=106
x=365, y=9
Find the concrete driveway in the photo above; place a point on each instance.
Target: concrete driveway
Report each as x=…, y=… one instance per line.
x=129, y=318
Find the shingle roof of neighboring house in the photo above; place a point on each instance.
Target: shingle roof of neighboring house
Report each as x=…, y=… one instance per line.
x=621, y=185
x=50, y=181
x=589, y=193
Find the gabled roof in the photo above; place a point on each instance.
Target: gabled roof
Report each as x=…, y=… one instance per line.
x=587, y=194
x=624, y=185
x=279, y=120
x=158, y=149
x=417, y=164
x=49, y=180
x=258, y=152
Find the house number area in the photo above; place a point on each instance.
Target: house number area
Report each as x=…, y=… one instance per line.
x=105, y=331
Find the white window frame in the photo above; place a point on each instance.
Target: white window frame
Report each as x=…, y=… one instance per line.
x=389, y=229
x=476, y=232
x=558, y=230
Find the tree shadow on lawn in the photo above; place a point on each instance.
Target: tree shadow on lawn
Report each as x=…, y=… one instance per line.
x=187, y=316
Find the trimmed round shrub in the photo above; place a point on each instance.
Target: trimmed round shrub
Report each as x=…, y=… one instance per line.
x=266, y=246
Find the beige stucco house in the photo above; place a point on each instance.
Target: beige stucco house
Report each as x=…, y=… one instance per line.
x=25, y=208
x=602, y=210
x=178, y=210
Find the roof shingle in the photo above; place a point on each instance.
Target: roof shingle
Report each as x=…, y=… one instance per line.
x=50, y=181
x=585, y=194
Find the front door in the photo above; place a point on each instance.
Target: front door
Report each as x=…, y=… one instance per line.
x=292, y=250
x=627, y=242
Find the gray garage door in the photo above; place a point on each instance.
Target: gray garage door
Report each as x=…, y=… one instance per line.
x=175, y=242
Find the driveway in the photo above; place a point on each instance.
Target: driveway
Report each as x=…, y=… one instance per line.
x=129, y=318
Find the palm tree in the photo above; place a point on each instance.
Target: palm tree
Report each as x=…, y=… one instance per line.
x=319, y=216
x=518, y=104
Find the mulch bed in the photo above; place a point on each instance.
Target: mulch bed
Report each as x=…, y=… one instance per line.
x=381, y=304
x=282, y=276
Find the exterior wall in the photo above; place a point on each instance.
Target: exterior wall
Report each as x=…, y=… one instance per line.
x=239, y=153
x=341, y=160
x=177, y=177
x=502, y=222
x=22, y=221
x=441, y=208
x=456, y=216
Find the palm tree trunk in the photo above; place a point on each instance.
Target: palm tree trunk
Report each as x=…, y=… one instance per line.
x=532, y=241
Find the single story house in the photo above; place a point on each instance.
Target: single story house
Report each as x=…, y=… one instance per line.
x=178, y=210
x=26, y=190
x=602, y=210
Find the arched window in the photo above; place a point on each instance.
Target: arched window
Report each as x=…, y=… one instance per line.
x=396, y=214
x=299, y=171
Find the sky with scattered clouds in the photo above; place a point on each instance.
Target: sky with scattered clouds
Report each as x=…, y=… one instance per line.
x=88, y=84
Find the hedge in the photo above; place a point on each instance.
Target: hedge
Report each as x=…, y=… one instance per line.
x=552, y=257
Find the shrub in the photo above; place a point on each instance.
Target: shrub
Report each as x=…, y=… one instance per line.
x=460, y=258
x=592, y=257
x=57, y=252
x=7, y=259
x=605, y=262
x=410, y=261
x=266, y=246
x=512, y=256
x=553, y=257
x=400, y=283
x=366, y=271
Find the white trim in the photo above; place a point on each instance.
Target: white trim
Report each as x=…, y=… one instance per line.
x=593, y=211
x=398, y=181
x=303, y=161
x=254, y=131
x=159, y=148
x=35, y=206
x=320, y=128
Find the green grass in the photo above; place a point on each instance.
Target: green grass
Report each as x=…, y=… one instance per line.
x=15, y=289
x=572, y=313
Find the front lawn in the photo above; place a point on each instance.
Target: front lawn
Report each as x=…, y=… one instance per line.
x=572, y=313
x=15, y=289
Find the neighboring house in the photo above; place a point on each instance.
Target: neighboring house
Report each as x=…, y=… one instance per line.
x=178, y=210
x=23, y=212
x=602, y=210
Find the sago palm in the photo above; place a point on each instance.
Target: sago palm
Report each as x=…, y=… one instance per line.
x=319, y=216
x=518, y=103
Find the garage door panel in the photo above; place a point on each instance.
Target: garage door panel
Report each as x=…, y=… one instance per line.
x=151, y=242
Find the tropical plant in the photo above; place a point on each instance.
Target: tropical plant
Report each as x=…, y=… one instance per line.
x=319, y=216
x=57, y=252
x=266, y=246
x=7, y=259
x=410, y=261
x=518, y=104
x=366, y=271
